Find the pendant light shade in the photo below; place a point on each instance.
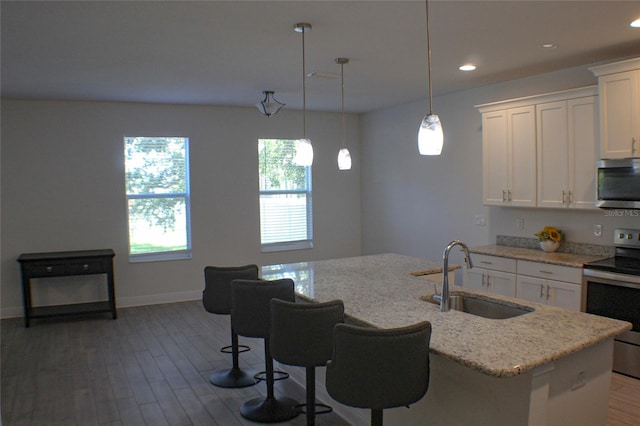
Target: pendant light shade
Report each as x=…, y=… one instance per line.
x=344, y=156
x=304, y=153
x=430, y=136
x=430, y=132
x=304, y=149
x=344, y=159
x=270, y=105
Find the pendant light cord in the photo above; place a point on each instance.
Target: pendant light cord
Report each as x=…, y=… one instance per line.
x=344, y=143
x=304, y=89
x=428, y=56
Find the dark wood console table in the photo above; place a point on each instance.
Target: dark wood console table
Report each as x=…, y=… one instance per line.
x=66, y=263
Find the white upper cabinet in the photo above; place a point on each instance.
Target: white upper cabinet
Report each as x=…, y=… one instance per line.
x=566, y=144
x=619, y=92
x=540, y=150
x=509, y=157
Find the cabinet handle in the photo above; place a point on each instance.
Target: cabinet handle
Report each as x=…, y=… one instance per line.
x=570, y=197
x=85, y=266
x=483, y=280
x=509, y=199
x=504, y=195
x=541, y=291
x=548, y=292
x=49, y=269
x=633, y=146
x=488, y=281
x=564, y=197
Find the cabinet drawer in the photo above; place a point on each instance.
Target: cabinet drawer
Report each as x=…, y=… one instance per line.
x=551, y=272
x=46, y=269
x=493, y=262
x=88, y=267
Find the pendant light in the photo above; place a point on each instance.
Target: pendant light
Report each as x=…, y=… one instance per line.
x=304, y=149
x=269, y=105
x=430, y=134
x=344, y=156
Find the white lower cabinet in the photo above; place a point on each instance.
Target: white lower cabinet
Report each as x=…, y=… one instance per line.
x=554, y=285
x=492, y=274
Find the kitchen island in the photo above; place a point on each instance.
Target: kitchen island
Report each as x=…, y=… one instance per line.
x=549, y=366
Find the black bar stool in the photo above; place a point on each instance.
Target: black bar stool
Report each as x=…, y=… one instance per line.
x=379, y=368
x=250, y=317
x=302, y=335
x=216, y=299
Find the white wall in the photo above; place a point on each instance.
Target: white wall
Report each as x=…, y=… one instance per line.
x=63, y=189
x=416, y=205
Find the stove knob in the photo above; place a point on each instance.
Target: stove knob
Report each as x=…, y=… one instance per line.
x=629, y=236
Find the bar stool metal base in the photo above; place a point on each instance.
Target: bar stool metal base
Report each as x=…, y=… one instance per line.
x=269, y=410
x=233, y=378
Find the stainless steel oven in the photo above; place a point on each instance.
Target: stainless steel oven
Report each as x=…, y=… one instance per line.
x=612, y=289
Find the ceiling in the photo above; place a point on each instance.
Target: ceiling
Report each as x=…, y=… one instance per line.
x=228, y=52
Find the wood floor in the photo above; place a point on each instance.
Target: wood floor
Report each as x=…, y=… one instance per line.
x=151, y=367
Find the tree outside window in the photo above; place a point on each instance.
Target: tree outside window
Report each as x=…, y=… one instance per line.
x=285, y=197
x=158, y=203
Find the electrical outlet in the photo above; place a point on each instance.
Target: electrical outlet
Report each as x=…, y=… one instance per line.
x=520, y=223
x=597, y=230
x=579, y=380
x=479, y=220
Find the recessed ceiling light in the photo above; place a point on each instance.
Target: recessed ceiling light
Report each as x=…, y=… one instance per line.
x=467, y=67
x=548, y=46
x=635, y=24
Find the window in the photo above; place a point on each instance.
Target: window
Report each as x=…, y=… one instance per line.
x=157, y=185
x=285, y=197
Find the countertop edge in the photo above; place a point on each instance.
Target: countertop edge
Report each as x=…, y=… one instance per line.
x=520, y=253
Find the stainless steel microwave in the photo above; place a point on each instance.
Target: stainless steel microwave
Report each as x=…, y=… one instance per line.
x=618, y=183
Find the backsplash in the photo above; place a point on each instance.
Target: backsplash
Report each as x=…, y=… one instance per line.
x=565, y=247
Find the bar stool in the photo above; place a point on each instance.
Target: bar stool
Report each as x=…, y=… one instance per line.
x=216, y=299
x=302, y=335
x=250, y=317
x=379, y=368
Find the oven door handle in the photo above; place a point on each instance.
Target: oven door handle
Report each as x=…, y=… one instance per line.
x=623, y=280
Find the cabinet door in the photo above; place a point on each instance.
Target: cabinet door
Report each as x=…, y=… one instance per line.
x=582, y=115
x=553, y=154
x=531, y=289
x=502, y=283
x=495, y=155
x=619, y=114
x=522, y=156
x=475, y=279
x=563, y=295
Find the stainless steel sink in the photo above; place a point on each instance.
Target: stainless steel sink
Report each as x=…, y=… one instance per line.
x=484, y=308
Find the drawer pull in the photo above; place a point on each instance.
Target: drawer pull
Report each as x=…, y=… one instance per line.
x=49, y=268
x=546, y=272
x=85, y=266
x=486, y=262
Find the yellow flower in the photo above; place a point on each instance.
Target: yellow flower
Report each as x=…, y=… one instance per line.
x=549, y=233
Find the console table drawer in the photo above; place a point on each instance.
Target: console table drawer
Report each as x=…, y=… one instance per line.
x=85, y=268
x=47, y=269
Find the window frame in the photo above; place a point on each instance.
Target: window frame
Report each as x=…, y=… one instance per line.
x=186, y=195
x=308, y=192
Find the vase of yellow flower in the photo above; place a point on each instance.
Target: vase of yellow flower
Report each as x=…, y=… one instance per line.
x=549, y=238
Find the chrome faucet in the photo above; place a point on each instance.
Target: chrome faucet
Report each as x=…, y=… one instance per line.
x=445, y=300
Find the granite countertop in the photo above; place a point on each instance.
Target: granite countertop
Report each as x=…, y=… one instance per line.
x=564, y=259
x=378, y=290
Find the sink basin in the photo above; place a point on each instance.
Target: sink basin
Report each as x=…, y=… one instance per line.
x=484, y=308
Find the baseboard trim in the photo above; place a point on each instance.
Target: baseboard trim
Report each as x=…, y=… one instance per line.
x=125, y=302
